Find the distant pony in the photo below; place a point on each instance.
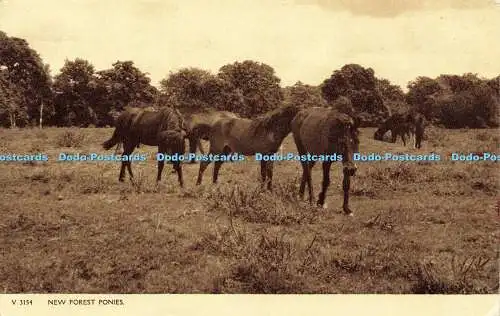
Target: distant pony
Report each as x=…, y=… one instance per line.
x=403, y=125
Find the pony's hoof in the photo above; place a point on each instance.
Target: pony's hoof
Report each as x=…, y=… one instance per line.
x=351, y=214
x=325, y=206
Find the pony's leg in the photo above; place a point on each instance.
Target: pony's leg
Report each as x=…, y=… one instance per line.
x=418, y=139
x=218, y=164
x=121, y=177
x=178, y=168
x=417, y=143
x=118, y=146
x=161, y=164
x=394, y=135
x=192, y=147
x=326, y=182
x=200, y=146
x=310, y=165
x=263, y=173
x=269, y=171
x=128, y=148
x=403, y=137
x=346, y=185
x=303, y=179
x=203, y=167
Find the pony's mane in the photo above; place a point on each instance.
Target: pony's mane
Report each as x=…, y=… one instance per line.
x=174, y=118
x=268, y=119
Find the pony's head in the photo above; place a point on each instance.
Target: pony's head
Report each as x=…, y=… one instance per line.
x=349, y=144
x=379, y=133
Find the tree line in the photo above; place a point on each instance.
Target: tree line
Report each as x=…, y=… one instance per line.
x=80, y=95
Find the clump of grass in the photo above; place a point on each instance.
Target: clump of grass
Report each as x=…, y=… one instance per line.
x=142, y=183
x=70, y=138
x=40, y=175
x=228, y=242
x=403, y=172
x=21, y=222
x=92, y=184
x=36, y=148
x=288, y=190
x=485, y=136
x=437, y=137
x=381, y=222
x=261, y=206
x=269, y=267
x=262, y=263
x=399, y=173
x=433, y=280
x=40, y=134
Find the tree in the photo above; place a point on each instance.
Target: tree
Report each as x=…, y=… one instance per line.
x=456, y=101
x=29, y=75
x=359, y=84
x=304, y=95
x=75, y=94
x=421, y=95
x=184, y=89
x=120, y=86
x=253, y=83
x=12, y=109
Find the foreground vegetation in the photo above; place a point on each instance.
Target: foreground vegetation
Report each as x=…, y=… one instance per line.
x=418, y=227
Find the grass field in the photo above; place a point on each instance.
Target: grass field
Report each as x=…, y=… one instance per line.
x=418, y=227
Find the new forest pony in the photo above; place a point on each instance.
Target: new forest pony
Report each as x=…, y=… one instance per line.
x=325, y=131
x=263, y=134
x=199, y=125
x=163, y=128
x=403, y=125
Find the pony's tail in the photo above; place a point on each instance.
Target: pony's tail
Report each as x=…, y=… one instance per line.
x=115, y=139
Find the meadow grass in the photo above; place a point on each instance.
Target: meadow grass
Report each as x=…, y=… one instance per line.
x=418, y=227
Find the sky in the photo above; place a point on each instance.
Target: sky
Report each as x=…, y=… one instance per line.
x=302, y=40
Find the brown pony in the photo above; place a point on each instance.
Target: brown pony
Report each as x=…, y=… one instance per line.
x=247, y=137
x=199, y=126
x=403, y=125
x=163, y=128
x=325, y=131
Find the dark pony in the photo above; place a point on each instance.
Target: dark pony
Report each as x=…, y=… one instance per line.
x=326, y=131
x=404, y=125
x=163, y=128
x=247, y=137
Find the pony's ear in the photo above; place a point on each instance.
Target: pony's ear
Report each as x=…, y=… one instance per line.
x=357, y=121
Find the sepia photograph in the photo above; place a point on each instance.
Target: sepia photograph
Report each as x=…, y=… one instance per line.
x=249, y=147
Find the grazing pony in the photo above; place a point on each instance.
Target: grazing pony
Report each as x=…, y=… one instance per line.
x=403, y=125
x=325, y=131
x=163, y=128
x=263, y=135
x=199, y=126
